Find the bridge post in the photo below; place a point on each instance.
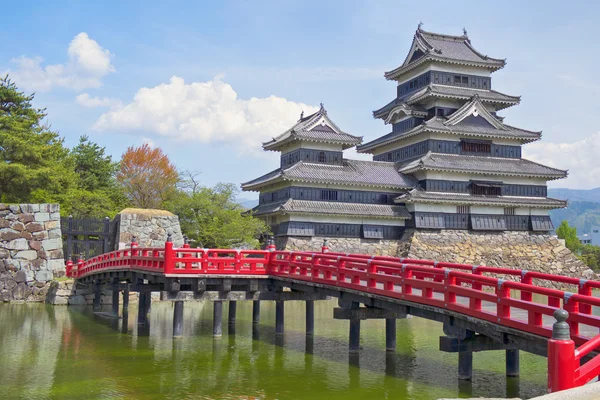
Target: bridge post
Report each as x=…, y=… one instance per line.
x=178, y=319
x=142, y=315
x=255, y=311
x=512, y=363
x=561, y=355
x=97, y=295
x=310, y=317
x=125, y=300
x=279, y=317
x=390, y=334
x=217, y=318
x=354, y=342
x=115, y=297
x=231, y=312
x=465, y=365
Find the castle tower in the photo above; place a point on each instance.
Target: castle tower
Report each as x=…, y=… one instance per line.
x=317, y=193
x=447, y=134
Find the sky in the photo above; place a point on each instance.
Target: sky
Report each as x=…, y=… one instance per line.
x=209, y=81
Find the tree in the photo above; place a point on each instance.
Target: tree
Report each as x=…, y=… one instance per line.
x=35, y=164
x=147, y=176
x=95, y=169
x=569, y=234
x=590, y=255
x=211, y=218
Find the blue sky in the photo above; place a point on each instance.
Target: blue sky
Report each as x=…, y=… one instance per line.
x=208, y=81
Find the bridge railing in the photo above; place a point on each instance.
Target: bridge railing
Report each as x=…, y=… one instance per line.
x=509, y=297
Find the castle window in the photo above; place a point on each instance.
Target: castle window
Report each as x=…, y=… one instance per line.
x=331, y=195
x=465, y=80
x=475, y=147
x=457, y=79
x=322, y=157
x=463, y=209
x=439, y=112
x=483, y=189
x=509, y=211
x=389, y=156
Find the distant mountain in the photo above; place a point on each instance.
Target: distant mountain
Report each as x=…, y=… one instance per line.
x=590, y=195
x=583, y=211
x=248, y=203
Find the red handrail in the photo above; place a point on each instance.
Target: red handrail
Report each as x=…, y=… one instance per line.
x=462, y=288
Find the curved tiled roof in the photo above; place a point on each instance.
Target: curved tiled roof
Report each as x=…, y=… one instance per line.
x=443, y=48
x=317, y=127
x=482, y=165
x=292, y=206
x=436, y=124
x=455, y=92
x=422, y=196
x=351, y=172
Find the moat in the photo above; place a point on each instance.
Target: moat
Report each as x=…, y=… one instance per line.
x=58, y=352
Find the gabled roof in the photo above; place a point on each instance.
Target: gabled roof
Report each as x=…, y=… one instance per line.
x=422, y=196
x=481, y=165
x=294, y=206
x=470, y=126
x=474, y=108
x=398, y=107
x=351, y=172
x=317, y=127
x=458, y=50
x=500, y=100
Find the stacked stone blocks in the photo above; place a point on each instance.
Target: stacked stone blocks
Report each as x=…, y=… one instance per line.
x=31, y=253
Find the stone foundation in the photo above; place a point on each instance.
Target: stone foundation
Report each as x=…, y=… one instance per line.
x=344, y=245
x=150, y=228
x=519, y=250
x=31, y=251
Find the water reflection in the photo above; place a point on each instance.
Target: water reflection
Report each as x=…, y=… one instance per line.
x=55, y=352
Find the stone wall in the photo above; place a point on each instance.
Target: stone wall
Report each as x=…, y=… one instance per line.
x=31, y=250
x=343, y=245
x=150, y=227
x=519, y=250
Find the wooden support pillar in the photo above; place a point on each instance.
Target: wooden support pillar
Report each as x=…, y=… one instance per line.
x=465, y=365
x=142, y=308
x=390, y=334
x=232, y=311
x=178, y=319
x=97, y=295
x=279, y=317
x=125, y=300
x=255, y=311
x=310, y=317
x=217, y=318
x=512, y=363
x=125, y=321
x=354, y=342
x=148, y=302
x=115, y=297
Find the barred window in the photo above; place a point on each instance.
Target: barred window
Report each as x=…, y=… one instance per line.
x=509, y=211
x=474, y=147
x=329, y=195
x=322, y=157
x=463, y=209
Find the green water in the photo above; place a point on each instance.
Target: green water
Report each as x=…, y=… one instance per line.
x=63, y=353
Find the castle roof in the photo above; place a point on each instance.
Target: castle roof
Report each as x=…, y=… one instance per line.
x=481, y=165
x=457, y=50
x=351, y=172
x=463, y=123
x=292, y=206
x=422, y=196
x=317, y=127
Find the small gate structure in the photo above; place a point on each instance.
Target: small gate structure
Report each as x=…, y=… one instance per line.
x=87, y=237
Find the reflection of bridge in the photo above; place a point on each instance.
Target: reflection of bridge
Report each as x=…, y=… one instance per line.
x=476, y=304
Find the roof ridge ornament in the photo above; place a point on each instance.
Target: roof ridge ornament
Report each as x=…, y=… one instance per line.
x=465, y=32
x=420, y=25
x=301, y=115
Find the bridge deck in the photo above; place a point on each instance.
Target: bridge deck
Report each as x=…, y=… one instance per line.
x=505, y=304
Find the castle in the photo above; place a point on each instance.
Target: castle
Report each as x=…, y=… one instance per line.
x=450, y=161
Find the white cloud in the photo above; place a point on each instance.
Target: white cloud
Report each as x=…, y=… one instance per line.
x=85, y=100
x=204, y=111
x=580, y=158
x=87, y=64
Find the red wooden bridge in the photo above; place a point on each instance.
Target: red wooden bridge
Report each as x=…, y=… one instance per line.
x=482, y=308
